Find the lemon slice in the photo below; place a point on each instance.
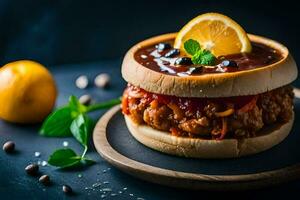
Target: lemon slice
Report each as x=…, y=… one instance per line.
x=215, y=32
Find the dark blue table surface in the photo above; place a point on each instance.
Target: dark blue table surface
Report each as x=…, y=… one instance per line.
x=15, y=184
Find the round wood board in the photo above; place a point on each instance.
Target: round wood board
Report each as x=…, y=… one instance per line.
x=277, y=165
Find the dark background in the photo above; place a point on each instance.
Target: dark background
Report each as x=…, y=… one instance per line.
x=72, y=31
x=88, y=37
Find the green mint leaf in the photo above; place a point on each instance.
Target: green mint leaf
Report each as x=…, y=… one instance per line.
x=203, y=57
x=64, y=158
x=67, y=158
x=196, y=58
x=76, y=106
x=81, y=128
x=87, y=161
x=57, y=123
x=191, y=46
x=208, y=58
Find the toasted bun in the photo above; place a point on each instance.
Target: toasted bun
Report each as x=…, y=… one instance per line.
x=202, y=148
x=248, y=82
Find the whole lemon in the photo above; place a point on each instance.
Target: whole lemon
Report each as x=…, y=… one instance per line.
x=27, y=92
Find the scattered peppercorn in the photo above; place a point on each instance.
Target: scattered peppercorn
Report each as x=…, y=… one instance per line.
x=85, y=99
x=9, y=147
x=67, y=189
x=82, y=82
x=45, y=180
x=32, y=169
x=102, y=80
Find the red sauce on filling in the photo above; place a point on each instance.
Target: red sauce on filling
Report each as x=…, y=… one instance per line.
x=184, y=103
x=260, y=56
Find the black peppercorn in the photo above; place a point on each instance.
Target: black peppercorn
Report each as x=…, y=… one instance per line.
x=32, y=169
x=197, y=70
x=9, y=147
x=229, y=63
x=45, y=180
x=163, y=46
x=183, y=61
x=85, y=99
x=67, y=189
x=172, y=53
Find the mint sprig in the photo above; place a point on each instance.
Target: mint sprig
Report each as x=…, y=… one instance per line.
x=67, y=158
x=64, y=158
x=192, y=46
x=58, y=123
x=72, y=119
x=199, y=56
x=203, y=57
x=81, y=128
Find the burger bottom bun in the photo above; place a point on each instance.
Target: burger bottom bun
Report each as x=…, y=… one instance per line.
x=204, y=148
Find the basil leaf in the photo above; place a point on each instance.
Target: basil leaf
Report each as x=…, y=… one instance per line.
x=81, y=128
x=57, y=123
x=64, y=158
x=76, y=106
x=191, y=46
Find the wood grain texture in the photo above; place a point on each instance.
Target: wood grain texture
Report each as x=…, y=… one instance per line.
x=183, y=179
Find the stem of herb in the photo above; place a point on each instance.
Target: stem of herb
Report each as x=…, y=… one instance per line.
x=84, y=152
x=103, y=105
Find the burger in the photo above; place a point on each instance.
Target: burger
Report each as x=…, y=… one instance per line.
x=209, y=91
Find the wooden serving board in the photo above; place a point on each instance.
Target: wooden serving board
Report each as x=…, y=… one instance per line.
x=277, y=165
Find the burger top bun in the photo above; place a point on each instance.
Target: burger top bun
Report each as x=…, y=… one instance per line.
x=248, y=82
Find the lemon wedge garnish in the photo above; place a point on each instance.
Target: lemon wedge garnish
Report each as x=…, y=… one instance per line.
x=216, y=33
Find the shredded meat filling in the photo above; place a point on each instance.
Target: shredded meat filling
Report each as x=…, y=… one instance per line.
x=158, y=118
x=232, y=117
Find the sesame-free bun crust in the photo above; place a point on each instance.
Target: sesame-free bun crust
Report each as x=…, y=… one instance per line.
x=247, y=82
x=205, y=148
